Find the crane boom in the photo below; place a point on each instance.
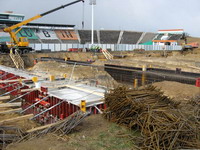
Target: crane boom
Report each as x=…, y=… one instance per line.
x=19, y=42
x=8, y=29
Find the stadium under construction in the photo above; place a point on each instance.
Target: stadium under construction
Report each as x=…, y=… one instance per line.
x=56, y=84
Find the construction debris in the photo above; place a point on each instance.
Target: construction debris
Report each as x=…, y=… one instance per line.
x=11, y=111
x=4, y=105
x=162, y=124
x=6, y=137
x=60, y=128
x=16, y=119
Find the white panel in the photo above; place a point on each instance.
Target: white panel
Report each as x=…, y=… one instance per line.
x=45, y=46
x=74, y=45
x=47, y=34
x=81, y=46
x=38, y=46
x=69, y=46
x=112, y=47
x=108, y=46
x=63, y=47
x=52, y=47
x=57, y=47
x=32, y=45
x=104, y=46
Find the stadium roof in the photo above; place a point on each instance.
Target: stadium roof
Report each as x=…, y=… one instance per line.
x=9, y=23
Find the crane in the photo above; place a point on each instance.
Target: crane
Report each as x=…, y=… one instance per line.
x=22, y=43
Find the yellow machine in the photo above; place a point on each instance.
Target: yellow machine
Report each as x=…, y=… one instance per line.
x=22, y=43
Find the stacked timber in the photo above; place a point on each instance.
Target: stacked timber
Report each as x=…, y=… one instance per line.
x=163, y=126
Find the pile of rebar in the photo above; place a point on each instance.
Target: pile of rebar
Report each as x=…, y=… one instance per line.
x=162, y=124
x=9, y=134
x=59, y=128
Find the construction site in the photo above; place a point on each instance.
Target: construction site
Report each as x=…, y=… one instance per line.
x=68, y=89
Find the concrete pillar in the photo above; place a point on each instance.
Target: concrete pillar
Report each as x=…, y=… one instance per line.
x=135, y=84
x=144, y=68
x=143, y=79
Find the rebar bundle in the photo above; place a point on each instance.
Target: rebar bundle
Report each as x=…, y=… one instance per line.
x=60, y=128
x=162, y=124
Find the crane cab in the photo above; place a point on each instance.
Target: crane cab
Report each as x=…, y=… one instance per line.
x=23, y=41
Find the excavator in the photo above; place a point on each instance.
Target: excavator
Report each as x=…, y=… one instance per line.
x=21, y=44
x=188, y=46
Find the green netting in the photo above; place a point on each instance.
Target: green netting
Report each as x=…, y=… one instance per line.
x=147, y=43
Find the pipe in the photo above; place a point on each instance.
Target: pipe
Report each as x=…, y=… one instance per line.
x=34, y=104
x=47, y=110
x=8, y=86
x=19, y=97
x=11, y=91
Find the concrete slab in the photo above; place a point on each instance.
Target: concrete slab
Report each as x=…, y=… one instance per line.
x=75, y=96
x=15, y=71
x=72, y=93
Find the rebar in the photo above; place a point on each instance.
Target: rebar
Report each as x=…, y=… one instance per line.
x=60, y=128
x=162, y=124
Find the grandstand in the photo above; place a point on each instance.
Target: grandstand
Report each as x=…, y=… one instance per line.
x=168, y=37
x=130, y=37
x=158, y=37
x=85, y=36
x=40, y=32
x=147, y=37
x=175, y=37
x=67, y=36
x=109, y=36
x=62, y=37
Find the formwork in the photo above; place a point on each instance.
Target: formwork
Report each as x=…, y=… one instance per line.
x=128, y=74
x=46, y=103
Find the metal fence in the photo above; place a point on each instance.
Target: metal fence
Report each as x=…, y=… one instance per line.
x=112, y=47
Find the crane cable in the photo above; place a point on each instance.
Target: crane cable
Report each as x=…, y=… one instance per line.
x=83, y=15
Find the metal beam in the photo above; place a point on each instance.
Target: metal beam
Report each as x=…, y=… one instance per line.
x=47, y=109
x=11, y=91
x=34, y=104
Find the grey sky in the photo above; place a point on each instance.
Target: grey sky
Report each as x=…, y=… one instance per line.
x=137, y=15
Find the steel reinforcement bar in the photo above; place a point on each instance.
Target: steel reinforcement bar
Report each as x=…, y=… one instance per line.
x=57, y=109
x=150, y=75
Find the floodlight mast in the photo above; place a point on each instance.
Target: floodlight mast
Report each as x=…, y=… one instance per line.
x=92, y=2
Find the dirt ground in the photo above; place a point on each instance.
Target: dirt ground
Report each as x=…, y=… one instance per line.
x=93, y=133
x=86, y=73
x=178, y=91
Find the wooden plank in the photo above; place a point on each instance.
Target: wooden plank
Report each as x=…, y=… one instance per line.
x=15, y=80
x=28, y=90
x=42, y=127
x=4, y=98
x=10, y=111
x=17, y=104
x=16, y=119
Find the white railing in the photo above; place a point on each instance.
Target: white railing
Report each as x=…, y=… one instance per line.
x=112, y=47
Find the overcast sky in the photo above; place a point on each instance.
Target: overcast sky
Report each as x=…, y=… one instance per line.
x=137, y=15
